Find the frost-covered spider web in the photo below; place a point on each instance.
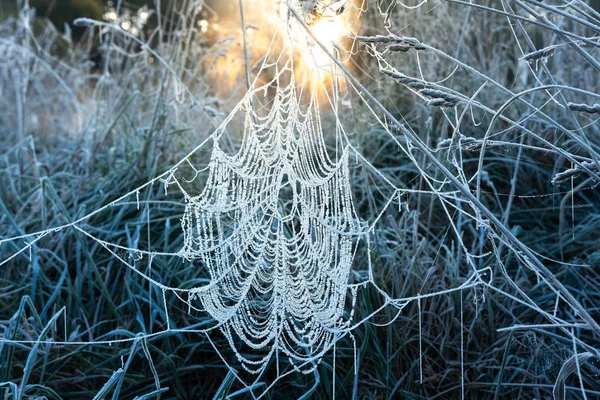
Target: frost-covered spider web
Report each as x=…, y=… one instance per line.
x=275, y=226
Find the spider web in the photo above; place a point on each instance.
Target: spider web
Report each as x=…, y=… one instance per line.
x=275, y=226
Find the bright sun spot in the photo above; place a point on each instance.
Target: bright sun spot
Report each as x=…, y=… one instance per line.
x=329, y=26
x=329, y=33
x=329, y=30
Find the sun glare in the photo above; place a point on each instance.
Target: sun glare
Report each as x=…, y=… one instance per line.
x=330, y=30
x=329, y=26
x=329, y=33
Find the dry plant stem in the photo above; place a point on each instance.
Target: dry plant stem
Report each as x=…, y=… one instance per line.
x=247, y=65
x=546, y=117
x=530, y=21
x=556, y=149
x=504, y=106
x=545, y=272
x=246, y=57
x=563, y=14
x=553, y=81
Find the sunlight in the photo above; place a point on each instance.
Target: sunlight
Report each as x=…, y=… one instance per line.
x=329, y=32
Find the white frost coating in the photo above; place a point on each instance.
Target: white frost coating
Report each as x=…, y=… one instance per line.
x=276, y=228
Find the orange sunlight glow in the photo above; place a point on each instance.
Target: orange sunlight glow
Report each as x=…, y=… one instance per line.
x=270, y=16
